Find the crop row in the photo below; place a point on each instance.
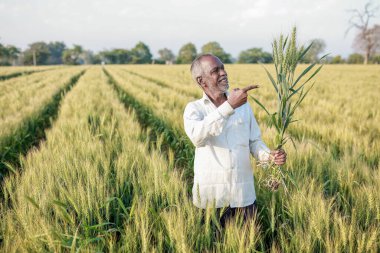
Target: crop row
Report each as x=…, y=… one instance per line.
x=28, y=110
x=12, y=72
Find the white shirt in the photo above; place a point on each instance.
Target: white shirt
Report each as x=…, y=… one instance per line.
x=224, y=138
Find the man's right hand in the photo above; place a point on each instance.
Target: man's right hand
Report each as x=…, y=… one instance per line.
x=238, y=96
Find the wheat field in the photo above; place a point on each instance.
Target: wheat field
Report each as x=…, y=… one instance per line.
x=95, y=159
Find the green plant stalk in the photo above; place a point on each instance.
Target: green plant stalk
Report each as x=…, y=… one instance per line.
x=290, y=94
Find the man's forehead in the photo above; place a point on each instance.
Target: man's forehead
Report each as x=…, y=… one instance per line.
x=210, y=62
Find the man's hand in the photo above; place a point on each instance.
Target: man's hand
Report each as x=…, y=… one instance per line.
x=238, y=96
x=278, y=156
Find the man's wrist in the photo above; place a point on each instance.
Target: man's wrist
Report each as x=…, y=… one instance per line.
x=226, y=109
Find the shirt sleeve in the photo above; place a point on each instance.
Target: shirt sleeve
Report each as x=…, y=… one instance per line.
x=257, y=147
x=199, y=127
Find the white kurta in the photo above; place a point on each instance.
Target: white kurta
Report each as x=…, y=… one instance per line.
x=224, y=138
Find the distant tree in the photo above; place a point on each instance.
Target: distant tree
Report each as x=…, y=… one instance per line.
x=214, y=48
x=355, y=59
x=2, y=53
x=8, y=55
x=166, y=55
x=97, y=59
x=159, y=61
x=318, y=47
x=254, y=55
x=37, y=53
x=187, y=53
x=73, y=56
x=56, y=51
x=367, y=39
x=117, y=56
x=90, y=58
x=375, y=59
x=369, y=43
x=337, y=60
x=3, y=56
x=123, y=56
x=107, y=57
x=140, y=54
x=13, y=53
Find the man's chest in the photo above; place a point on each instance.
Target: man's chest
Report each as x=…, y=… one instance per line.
x=236, y=128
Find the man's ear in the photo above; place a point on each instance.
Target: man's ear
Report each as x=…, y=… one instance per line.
x=200, y=81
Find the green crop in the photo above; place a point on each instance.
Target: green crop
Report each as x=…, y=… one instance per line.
x=290, y=92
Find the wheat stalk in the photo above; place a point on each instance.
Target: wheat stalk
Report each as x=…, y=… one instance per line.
x=290, y=92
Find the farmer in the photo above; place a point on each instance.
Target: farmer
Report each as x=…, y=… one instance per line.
x=224, y=131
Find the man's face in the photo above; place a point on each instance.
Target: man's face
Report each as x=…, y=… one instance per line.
x=214, y=75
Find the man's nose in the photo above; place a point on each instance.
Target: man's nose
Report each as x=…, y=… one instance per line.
x=222, y=72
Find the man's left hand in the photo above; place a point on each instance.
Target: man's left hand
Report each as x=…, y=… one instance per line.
x=278, y=156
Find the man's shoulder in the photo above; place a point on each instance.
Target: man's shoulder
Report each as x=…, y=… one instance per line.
x=194, y=106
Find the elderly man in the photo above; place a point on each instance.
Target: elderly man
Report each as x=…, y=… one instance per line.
x=224, y=131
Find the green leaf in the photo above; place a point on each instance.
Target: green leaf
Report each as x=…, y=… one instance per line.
x=286, y=40
x=9, y=167
x=121, y=204
x=293, y=181
x=99, y=225
x=59, y=203
x=295, y=91
x=273, y=117
x=315, y=72
x=271, y=79
x=304, y=52
x=323, y=56
x=32, y=201
x=311, y=86
x=260, y=104
x=294, y=144
x=303, y=73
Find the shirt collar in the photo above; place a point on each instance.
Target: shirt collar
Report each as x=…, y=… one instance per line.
x=206, y=98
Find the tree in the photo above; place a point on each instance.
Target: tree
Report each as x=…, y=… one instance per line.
x=2, y=54
x=254, y=55
x=56, y=51
x=368, y=43
x=166, y=55
x=337, y=60
x=187, y=53
x=89, y=57
x=9, y=55
x=117, y=56
x=13, y=53
x=214, y=48
x=355, y=59
x=367, y=39
x=375, y=59
x=140, y=54
x=317, y=47
x=37, y=54
x=73, y=56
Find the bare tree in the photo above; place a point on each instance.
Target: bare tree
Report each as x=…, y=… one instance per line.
x=367, y=39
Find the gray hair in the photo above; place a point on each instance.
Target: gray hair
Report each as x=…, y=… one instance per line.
x=196, y=66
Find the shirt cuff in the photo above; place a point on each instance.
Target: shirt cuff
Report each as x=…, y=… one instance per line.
x=225, y=109
x=264, y=154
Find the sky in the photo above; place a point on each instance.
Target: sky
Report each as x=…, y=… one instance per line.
x=236, y=24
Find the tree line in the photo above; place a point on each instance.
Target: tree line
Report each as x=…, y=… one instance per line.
x=55, y=53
